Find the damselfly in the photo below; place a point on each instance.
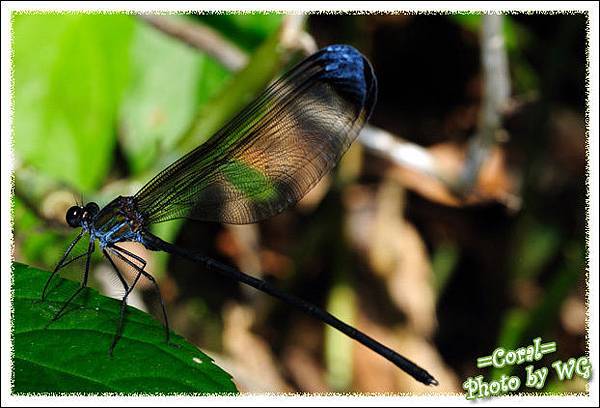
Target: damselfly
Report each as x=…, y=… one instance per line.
x=263, y=161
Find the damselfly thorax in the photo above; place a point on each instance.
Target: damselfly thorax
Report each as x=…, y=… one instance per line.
x=119, y=221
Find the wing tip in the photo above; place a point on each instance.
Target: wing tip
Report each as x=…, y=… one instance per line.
x=349, y=68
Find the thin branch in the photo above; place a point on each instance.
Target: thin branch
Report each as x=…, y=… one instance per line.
x=203, y=38
x=200, y=37
x=33, y=205
x=495, y=74
x=399, y=151
x=496, y=94
x=293, y=37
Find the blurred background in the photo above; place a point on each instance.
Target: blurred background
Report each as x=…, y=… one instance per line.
x=455, y=224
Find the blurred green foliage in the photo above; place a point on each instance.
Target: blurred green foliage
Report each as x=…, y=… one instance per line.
x=521, y=326
x=70, y=74
x=88, y=81
x=169, y=81
x=93, y=83
x=41, y=245
x=443, y=262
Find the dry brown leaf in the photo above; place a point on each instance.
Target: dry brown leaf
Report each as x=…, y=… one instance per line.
x=252, y=363
x=409, y=278
x=245, y=247
x=275, y=263
x=375, y=374
x=359, y=203
x=567, y=132
x=495, y=182
x=305, y=370
x=572, y=315
x=527, y=293
x=396, y=252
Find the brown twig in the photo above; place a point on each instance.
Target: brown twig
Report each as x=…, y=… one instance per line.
x=33, y=205
x=200, y=37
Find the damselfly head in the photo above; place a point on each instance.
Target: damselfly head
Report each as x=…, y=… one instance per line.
x=77, y=215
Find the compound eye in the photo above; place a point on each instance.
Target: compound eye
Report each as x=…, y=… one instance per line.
x=74, y=216
x=92, y=208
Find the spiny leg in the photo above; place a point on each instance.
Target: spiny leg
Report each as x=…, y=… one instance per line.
x=83, y=281
x=128, y=290
x=119, y=275
x=150, y=278
x=60, y=265
x=70, y=261
x=130, y=254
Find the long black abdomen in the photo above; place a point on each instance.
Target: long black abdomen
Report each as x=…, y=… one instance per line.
x=408, y=366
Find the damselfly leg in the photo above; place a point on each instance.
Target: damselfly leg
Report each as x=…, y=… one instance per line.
x=61, y=263
x=84, y=281
x=128, y=289
x=125, y=256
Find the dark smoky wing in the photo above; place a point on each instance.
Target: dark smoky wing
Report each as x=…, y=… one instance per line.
x=275, y=150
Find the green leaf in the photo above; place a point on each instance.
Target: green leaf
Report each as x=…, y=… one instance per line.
x=71, y=354
x=169, y=81
x=69, y=71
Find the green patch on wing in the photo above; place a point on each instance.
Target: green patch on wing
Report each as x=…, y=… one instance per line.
x=250, y=181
